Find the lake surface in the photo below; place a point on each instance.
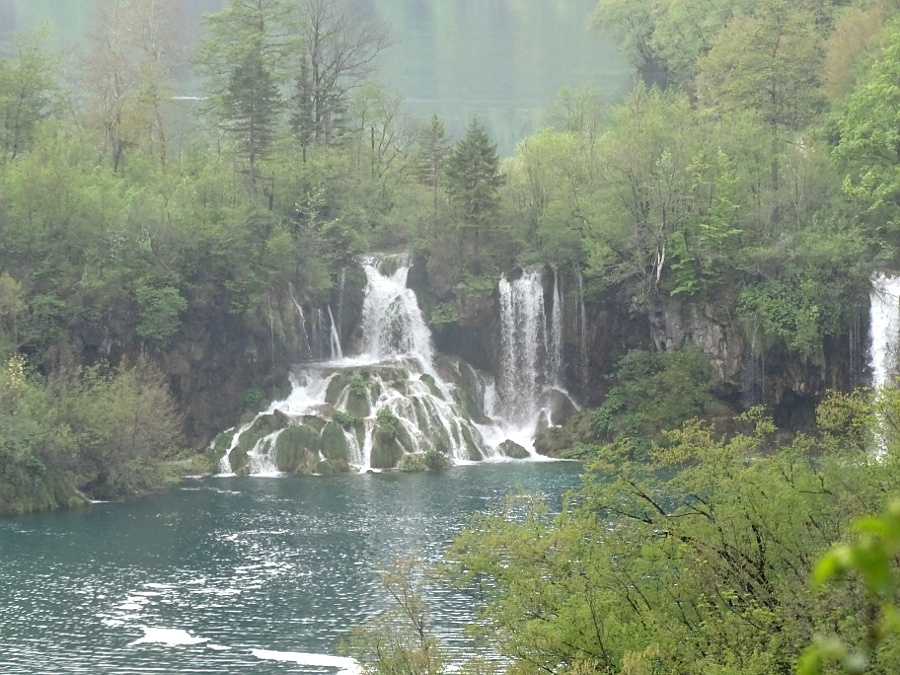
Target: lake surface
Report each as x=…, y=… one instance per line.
x=224, y=575
x=503, y=61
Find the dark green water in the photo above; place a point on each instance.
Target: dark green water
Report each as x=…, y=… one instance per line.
x=225, y=575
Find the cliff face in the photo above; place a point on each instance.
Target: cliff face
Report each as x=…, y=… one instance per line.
x=616, y=321
x=218, y=363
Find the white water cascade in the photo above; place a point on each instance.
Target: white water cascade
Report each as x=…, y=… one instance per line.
x=884, y=309
x=386, y=407
x=530, y=382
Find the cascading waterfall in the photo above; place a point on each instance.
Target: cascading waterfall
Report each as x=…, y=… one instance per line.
x=884, y=309
x=582, y=334
x=392, y=324
x=554, y=344
x=884, y=312
x=532, y=353
x=374, y=410
x=319, y=334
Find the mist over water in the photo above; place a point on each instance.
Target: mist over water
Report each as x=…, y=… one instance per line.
x=503, y=61
x=227, y=575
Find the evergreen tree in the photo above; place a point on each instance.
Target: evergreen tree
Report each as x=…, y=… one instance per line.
x=244, y=61
x=250, y=107
x=473, y=180
x=431, y=155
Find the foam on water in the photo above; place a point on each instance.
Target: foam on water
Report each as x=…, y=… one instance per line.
x=167, y=636
x=347, y=665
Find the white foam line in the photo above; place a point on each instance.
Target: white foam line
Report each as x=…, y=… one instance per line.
x=348, y=666
x=167, y=636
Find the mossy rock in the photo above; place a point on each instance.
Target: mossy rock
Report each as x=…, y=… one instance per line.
x=414, y=463
x=331, y=467
x=432, y=386
x=336, y=387
x=512, y=449
x=404, y=439
x=263, y=426
x=472, y=408
x=435, y=461
x=472, y=449
x=386, y=452
x=334, y=445
x=221, y=443
x=314, y=422
x=200, y=464
x=238, y=461
x=296, y=449
x=358, y=405
x=578, y=430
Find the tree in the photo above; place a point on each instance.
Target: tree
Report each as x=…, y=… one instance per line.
x=868, y=149
x=337, y=44
x=769, y=63
x=127, y=75
x=431, y=153
x=472, y=172
x=649, y=187
x=244, y=62
x=28, y=90
x=853, y=43
x=399, y=641
x=693, y=561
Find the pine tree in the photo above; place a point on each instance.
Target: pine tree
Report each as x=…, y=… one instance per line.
x=431, y=155
x=473, y=178
x=244, y=61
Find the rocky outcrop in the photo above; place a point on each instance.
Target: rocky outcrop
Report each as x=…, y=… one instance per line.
x=619, y=319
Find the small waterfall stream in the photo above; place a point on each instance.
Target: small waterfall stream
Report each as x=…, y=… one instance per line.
x=884, y=311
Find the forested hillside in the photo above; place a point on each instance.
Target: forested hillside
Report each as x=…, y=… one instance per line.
x=750, y=173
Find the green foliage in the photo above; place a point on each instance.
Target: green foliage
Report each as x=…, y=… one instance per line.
x=358, y=385
x=444, y=312
x=388, y=424
x=399, y=641
x=867, y=148
x=653, y=391
x=252, y=398
x=871, y=560
x=28, y=90
x=104, y=434
x=691, y=561
x=799, y=309
x=345, y=419
x=160, y=308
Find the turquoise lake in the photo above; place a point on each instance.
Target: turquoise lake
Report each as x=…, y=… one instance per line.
x=225, y=575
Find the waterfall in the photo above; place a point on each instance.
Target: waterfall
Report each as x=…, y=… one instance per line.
x=554, y=342
x=336, y=351
x=393, y=327
x=884, y=308
x=523, y=335
x=530, y=391
x=320, y=336
x=582, y=335
x=383, y=407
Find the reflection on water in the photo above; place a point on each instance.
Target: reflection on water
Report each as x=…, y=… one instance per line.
x=233, y=574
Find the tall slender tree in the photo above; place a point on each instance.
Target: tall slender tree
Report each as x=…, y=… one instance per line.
x=244, y=61
x=127, y=72
x=473, y=180
x=337, y=44
x=27, y=91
